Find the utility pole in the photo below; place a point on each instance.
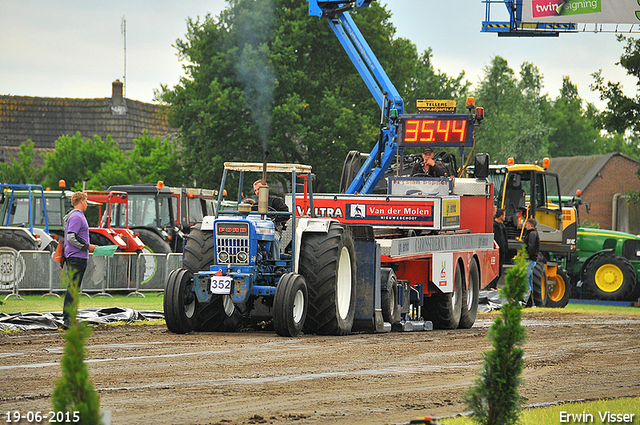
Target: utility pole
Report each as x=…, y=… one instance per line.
x=123, y=31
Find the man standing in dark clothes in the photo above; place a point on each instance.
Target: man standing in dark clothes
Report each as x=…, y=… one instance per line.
x=76, y=246
x=532, y=241
x=428, y=167
x=500, y=236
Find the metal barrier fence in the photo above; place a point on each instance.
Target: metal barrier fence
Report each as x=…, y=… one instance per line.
x=133, y=274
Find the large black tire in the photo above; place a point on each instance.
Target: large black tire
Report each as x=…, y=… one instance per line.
x=153, y=242
x=219, y=314
x=611, y=277
x=180, y=303
x=558, y=294
x=539, y=283
x=470, y=298
x=444, y=310
x=12, y=266
x=389, y=298
x=327, y=262
x=290, y=305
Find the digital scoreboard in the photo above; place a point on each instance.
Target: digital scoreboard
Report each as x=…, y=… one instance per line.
x=435, y=130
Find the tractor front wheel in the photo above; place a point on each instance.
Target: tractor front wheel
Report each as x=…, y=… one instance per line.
x=290, y=305
x=180, y=303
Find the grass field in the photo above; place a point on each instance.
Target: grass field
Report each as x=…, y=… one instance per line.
x=554, y=415
x=153, y=301
x=52, y=304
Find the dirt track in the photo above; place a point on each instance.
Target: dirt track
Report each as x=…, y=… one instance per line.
x=146, y=375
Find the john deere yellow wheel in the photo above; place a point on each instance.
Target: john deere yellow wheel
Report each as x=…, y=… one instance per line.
x=611, y=277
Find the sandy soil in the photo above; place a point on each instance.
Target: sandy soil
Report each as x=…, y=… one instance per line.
x=145, y=375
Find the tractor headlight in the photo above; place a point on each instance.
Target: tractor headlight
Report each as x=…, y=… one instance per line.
x=243, y=257
x=223, y=257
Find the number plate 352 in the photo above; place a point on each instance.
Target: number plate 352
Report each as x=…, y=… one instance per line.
x=221, y=284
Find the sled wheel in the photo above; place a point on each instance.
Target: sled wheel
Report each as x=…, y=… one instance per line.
x=389, y=296
x=470, y=297
x=444, y=310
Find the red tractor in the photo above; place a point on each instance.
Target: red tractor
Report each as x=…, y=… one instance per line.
x=104, y=234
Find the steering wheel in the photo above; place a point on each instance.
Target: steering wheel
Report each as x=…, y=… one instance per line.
x=420, y=175
x=272, y=214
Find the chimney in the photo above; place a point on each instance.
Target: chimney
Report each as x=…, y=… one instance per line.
x=118, y=103
x=116, y=92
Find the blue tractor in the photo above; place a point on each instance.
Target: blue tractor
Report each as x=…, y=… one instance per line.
x=240, y=269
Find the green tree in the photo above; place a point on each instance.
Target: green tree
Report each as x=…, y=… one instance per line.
x=102, y=164
x=77, y=160
x=21, y=170
x=265, y=76
x=494, y=398
x=574, y=131
x=514, y=126
x=622, y=112
x=153, y=159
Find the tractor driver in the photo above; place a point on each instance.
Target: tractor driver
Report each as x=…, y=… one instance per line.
x=276, y=203
x=428, y=167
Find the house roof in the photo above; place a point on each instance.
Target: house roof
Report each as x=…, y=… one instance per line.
x=577, y=172
x=43, y=120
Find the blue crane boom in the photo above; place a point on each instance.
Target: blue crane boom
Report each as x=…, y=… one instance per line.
x=397, y=130
x=376, y=79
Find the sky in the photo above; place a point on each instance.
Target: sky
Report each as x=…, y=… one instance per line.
x=76, y=49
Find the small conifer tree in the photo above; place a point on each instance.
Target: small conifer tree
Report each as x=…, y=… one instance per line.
x=494, y=397
x=74, y=394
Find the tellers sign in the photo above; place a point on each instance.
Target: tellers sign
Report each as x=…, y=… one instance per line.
x=436, y=130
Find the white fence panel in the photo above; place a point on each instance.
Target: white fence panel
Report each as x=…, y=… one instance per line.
x=35, y=271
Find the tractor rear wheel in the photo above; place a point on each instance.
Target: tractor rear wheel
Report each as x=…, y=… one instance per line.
x=611, y=277
x=327, y=262
x=290, y=305
x=219, y=314
x=153, y=243
x=560, y=292
x=470, y=298
x=389, y=297
x=444, y=310
x=13, y=266
x=539, y=282
x=180, y=302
